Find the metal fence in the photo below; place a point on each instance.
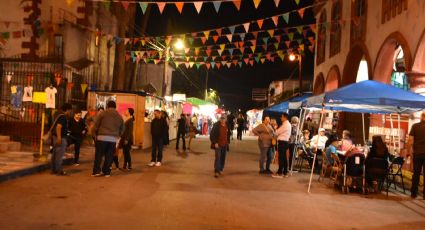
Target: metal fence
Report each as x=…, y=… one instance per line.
x=21, y=118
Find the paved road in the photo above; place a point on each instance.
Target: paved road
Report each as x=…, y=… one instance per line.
x=183, y=194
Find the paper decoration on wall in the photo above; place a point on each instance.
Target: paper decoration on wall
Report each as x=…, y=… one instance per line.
x=22, y=113
x=83, y=87
x=29, y=79
x=32, y=113
x=122, y=107
x=13, y=89
x=27, y=94
x=58, y=80
x=39, y=97
x=9, y=76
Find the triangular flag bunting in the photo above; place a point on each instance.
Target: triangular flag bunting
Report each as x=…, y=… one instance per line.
x=297, y=2
x=228, y=64
x=161, y=6
x=291, y=36
x=253, y=49
x=229, y=37
x=276, y=2
x=215, y=38
x=198, y=6
x=275, y=20
x=241, y=44
x=179, y=6
x=257, y=59
x=217, y=6
x=251, y=62
x=203, y=39
x=246, y=60
x=266, y=40
x=208, y=65
x=256, y=3
x=219, y=31
x=242, y=36
x=222, y=46
x=207, y=34
x=218, y=64
x=143, y=6
x=197, y=51
x=271, y=32
x=286, y=17
x=262, y=60
x=301, y=12
x=237, y=4
x=232, y=29
x=220, y=52
x=288, y=43
x=246, y=27
x=213, y=64
x=83, y=88
x=300, y=29
x=208, y=52
x=260, y=23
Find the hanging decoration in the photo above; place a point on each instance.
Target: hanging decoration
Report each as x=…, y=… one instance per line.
x=84, y=87
x=58, y=78
x=9, y=76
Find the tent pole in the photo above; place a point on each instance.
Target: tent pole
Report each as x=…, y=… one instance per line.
x=364, y=133
x=315, y=155
x=392, y=132
x=399, y=134
x=296, y=141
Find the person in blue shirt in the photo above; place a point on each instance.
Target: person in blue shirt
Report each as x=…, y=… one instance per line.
x=332, y=149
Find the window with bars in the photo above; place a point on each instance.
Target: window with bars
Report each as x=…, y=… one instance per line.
x=358, y=20
x=392, y=8
x=321, y=39
x=335, y=37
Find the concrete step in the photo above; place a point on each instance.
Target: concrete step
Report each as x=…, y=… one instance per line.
x=4, y=138
x=10, y=146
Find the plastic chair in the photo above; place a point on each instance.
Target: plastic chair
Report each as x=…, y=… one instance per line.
x=336, y=168
x=306, y=155
x=393, y=171
x=325, y=165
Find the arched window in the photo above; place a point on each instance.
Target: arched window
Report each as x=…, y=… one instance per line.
x=358, y=20
x=321, y=39
x=335, y=37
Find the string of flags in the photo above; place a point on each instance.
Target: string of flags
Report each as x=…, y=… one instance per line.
x=180, y=5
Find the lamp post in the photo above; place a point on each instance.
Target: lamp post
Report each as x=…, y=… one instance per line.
x=293, y=57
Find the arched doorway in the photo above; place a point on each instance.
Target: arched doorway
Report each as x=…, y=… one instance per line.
x=416, y=77
x=333, y=79
x=356, y=68
x=319, y=84
x=393, y=61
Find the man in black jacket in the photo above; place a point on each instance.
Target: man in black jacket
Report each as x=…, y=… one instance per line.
x=181, y=131
x=158, y=129
x=219, y=138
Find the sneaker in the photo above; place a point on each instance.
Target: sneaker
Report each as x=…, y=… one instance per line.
x=129, y=169
x=221, y=173
x=286, y=175
x=76, y=164
x=151, y=164
x=158, y=164
x=216, y=175
x=62, y=173
x=96, y=174
x=414, y=196
x=108, y=175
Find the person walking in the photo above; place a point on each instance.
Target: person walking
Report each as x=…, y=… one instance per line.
x=77, y=130
x=59, y=134
x=127, y=137
x=265, y=134
x=219, y=138
x=181, y=131
x=283, y=135
x=158, y=130
x=108, y=127
x=241, y=126
x=192, y=133
x=417, y=140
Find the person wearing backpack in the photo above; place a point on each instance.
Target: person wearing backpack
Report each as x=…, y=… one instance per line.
x=59, y=134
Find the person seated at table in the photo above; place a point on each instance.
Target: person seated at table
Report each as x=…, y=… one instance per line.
x=377, y=161
x=346, y=142
x=305, y=138
x=318, y=142
x=332, y=149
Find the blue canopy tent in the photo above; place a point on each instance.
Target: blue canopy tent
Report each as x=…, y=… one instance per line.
x=369, y=97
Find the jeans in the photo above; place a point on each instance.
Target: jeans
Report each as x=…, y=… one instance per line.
x=270, y=156
x=157, y=146
x=57, y=156
x=239, y=133
x=181, y=134
x=220, y=158
x=77, y=145
x=283, y=162
x=292, y=147
x=418, y=167
x=103, y=149
x=264, y=151
x=126, y=148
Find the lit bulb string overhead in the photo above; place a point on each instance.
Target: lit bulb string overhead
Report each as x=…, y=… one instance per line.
x=179, y=5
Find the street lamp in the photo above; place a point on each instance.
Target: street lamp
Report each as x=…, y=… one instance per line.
x=293, y=57
x=178, y=45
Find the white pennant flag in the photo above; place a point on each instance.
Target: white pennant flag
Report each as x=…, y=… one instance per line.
x=198, y=6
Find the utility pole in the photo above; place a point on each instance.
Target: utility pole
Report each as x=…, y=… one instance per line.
x=206, y=86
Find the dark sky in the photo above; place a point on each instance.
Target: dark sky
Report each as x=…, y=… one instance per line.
x=234, y=85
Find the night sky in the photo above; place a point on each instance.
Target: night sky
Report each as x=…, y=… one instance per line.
x=234, y=85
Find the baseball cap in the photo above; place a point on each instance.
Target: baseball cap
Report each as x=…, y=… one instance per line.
x=322, y=130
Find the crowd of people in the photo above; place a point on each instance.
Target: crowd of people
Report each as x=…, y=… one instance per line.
x=110, y=131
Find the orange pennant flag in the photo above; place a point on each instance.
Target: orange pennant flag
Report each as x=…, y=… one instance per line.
x=237, y=4
x=161, y=6
x=260, y=23
x=301, y=12
x=179, y=6
x=256, y=3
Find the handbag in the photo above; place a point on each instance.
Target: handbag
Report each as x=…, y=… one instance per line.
x=48, y=137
